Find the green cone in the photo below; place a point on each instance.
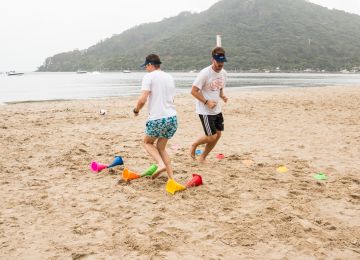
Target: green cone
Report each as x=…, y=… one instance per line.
x=150, y=171
x=320, y=176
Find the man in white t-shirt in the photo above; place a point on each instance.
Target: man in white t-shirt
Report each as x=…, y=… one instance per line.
x=158, y=89
x=208, y=89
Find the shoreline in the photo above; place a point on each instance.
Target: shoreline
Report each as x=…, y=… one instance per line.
x=183, y=92
x=55, y=207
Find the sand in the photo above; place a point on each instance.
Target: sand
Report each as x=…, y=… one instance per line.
x=54, y=207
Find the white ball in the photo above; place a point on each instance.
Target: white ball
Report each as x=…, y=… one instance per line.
x=103, y=112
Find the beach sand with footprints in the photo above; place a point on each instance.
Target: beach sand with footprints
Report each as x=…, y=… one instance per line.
x=54, y=207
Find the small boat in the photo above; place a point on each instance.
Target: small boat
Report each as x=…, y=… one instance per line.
x=14, y=73
x=126, y=71
x=81, y=72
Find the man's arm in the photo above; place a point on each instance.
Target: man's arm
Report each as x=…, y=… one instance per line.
x=141, y=101
x=195, y=91
x=222, y=96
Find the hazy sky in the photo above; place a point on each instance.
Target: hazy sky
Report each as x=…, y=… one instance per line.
x=32, y=30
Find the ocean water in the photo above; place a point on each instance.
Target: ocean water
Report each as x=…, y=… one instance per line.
x=36, y=86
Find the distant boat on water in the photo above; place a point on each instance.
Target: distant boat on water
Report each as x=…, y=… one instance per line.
x=14, y=73
x=81, y=72
x=126, y=71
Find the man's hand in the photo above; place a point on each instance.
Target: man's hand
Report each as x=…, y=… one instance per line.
x=211, y=104
x=136, y=113
x=224, y=98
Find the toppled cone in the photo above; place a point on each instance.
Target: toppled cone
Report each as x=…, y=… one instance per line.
x=129, y=175
x=150, y=171
x=172, y=186
x=195, y=181
x=97, y=167
x=117, y=161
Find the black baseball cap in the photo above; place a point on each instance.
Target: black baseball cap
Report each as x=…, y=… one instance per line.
x=151, y=59
x=220, y=57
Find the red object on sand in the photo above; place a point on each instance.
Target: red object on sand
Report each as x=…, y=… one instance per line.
x=195, y=181
x=220, y=156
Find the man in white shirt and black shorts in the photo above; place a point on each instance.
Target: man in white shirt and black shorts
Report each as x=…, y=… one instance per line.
x=208, y=89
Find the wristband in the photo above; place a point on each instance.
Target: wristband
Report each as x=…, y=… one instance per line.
x=206, y=101
x=135, y=112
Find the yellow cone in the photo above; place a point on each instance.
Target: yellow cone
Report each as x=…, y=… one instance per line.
x=172, y=186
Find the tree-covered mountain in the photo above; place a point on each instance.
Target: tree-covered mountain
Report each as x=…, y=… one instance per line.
x=257, y=34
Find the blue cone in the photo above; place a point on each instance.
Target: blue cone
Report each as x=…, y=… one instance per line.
x=117, y=161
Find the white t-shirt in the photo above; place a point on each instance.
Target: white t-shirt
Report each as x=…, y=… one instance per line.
x=210, y=82
x=162, y=93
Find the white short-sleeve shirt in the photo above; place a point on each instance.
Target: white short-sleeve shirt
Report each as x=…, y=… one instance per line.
x=210, y=83
x=162, y=93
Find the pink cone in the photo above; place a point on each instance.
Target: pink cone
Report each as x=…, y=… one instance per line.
x=97, y=167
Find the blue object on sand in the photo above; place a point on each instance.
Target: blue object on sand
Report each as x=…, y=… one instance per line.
x=117, y=161
x=198, y=152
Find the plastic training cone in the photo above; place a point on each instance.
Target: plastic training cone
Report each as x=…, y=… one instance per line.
x=150, y=171
x=320, y=176
x=172, y=186
x=195, y=181
x=220, y=156
x=129, y=175
x=97, y=167
x=117, y=161
x=198, y=152
x=282, y=169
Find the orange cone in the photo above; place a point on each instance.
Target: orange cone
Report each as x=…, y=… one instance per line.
x=129, y=175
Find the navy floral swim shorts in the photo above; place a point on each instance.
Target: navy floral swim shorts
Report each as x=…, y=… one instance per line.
x=164, y=127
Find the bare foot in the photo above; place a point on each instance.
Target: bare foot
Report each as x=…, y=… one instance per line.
x=192, y=151
x=158, y=172
x=202, y=159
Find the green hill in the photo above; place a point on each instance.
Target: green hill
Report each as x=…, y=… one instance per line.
x=257, y=34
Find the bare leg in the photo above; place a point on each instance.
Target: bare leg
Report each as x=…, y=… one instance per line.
x=161, y=145
x=210, y=145
x=154, y=153
x=202, y=140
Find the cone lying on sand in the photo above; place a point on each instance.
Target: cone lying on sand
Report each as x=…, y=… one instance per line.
x=150, y=171
x=196, y=180
x=97, y=167
x=128, y=175
x=118, y=160
x=172, y=186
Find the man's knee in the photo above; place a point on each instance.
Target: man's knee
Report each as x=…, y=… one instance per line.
x=218, y=135
x=213, y=138
x=148, y=140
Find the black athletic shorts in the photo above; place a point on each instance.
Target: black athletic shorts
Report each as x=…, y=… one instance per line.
x=212, y=123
